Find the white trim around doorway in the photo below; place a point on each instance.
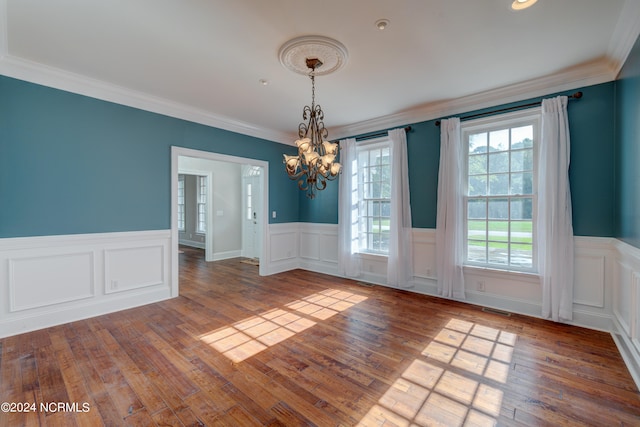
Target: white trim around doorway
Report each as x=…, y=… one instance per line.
x=176, y=152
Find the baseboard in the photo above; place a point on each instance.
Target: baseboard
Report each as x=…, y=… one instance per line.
x=628, y=351
x=330, y=268
x=61, y=315
x=192, y=244
x=218, y=256
x=282, y=266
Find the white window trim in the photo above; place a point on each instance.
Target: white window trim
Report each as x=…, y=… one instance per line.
x=488, y=124
x=181, y=215
x=373, y=143
x=203, y=179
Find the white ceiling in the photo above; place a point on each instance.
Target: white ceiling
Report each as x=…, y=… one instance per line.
x=202, y=59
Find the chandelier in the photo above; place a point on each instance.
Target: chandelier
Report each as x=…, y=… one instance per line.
x=316, y=162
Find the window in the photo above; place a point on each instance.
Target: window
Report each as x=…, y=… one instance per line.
x=374, y=196
x=249, y=207
x=501, y=194
x=181, y=224
x=202, y=205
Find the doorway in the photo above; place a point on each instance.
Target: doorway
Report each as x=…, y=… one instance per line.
x=256, y=172
x=252, y=211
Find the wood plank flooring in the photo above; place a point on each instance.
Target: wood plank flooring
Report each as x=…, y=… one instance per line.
x=300, y=348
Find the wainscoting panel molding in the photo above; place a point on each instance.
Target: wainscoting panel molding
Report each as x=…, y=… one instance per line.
x=284, y=253
x=424, y=254
x=319, y=247
x=623, y=304
x=45, y=279
x=49, y=280
x=626, y=307
x=131, y=268
x=589, y=269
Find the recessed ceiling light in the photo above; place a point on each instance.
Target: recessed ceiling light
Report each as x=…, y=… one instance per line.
x=381, y=24
x=522, y=4
x=263, y=82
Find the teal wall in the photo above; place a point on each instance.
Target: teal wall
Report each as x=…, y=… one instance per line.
x=71, y=164
x=627, y=195
x=591, y=173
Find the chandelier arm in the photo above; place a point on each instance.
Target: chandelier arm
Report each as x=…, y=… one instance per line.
x=321, y=184
x=297, y=174
x=307, y=112
x=319, y=113
x=303, y=185
x=303, y=129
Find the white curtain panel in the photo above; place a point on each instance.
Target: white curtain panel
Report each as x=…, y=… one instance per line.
x=348, y=262
x=400, y=259
x=555, y=227
x=449, y=220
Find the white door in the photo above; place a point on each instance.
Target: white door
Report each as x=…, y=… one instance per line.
x=252, y=212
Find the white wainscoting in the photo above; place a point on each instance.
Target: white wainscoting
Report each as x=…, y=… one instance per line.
x=626, y=305
x=513, y=292
x=606, y=287
x=50, y=280
x=283, y=250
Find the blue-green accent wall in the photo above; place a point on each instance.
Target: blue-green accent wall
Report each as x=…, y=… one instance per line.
x=591, y=122
x=323, y=208
x=71, y=164
x=627, y=194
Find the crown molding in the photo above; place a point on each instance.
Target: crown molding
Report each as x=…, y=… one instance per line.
x=588, y=74
x=59, y=79
x=585, y=75
x=624, y=35
x=603, y=70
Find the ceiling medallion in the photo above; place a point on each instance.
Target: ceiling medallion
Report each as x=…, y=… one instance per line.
x=294, y=54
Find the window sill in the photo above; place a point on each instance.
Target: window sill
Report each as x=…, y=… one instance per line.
x=521, y=276
x=372, y=256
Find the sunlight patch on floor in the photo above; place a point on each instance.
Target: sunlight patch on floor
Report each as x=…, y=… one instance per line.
x=429, y=393
x=250, y=336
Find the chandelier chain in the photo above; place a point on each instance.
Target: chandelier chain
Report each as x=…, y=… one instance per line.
x=313, y=88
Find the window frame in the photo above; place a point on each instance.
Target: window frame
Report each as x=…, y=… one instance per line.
x=249, y=201
x=182, y=225
x=201, y=205
x=363, y=229
x=530, y=116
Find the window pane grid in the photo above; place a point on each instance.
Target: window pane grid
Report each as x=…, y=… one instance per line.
x=181, y=208
x=374, y=205
x=201, y=205
x=249, y=198
x=500, y=198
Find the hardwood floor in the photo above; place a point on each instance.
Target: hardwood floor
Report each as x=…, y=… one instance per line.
x=302, y=348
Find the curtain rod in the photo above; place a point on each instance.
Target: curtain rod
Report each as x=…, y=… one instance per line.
x=576, y=95
x=379, y=134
